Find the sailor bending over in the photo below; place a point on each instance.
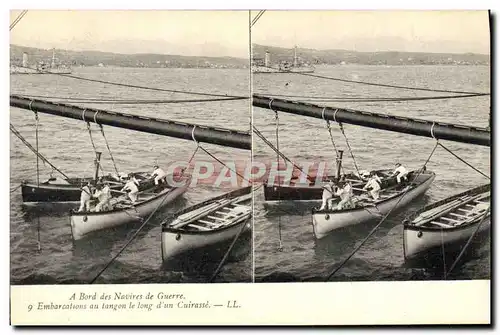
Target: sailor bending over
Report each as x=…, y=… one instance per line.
x=104, y=196
x=131, y=188
x=345, y=193
x=400, y=172
x=159, y=175
x=373, y=185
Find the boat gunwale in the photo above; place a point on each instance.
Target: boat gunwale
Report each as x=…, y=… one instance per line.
x=237, y=192
x=73, y=213
x=412, y=185
x=434, y=228
x=408, y=221
x=204, y=232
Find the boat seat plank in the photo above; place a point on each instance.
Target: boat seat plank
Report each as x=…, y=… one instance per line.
x=451, y=220
x=206, y=222
x=217, y=218
x=458, y=215
x=465, y=210
x=440, y=224
x=198, y=227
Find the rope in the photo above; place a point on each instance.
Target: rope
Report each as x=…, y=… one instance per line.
x=463, y=161
x=381, y=221
x=388, y=85
x=29, y=146
x=92, y=141
x=469, y=240
x=222, y=163
x=36, y=148
x=130, y=240
x=276, y=117
x=18, y=18
x=381, y=99
x=348, y=146
x=444, y=255
x=129, y=102
x=257, y=17
x=223, y=260
x=15, y=188
x=263, y=138
x=143, y=87
x=107, y=146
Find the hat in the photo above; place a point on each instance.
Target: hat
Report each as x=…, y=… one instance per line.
x=398, y=164
x=155, y=167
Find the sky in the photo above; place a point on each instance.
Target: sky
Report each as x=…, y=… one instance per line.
x=426, y=31
x=191, y=33
x=225, y=33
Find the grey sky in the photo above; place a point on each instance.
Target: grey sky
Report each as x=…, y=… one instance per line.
x=225, y=33
x=426, y=31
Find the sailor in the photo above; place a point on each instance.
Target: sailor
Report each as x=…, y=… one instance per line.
x=400, y=172
x=328, y=193
x=345, y=193
x=85, y=197
x=373, y=185
x=131, y=188
x=159, y=175
x=103, y=194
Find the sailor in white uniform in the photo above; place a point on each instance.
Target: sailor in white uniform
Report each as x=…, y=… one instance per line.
x=85, y=198
x=345, y=194
x=373, y=185
x=131, y=186
x=159, y=175
x=400, y=172
x=328, y=193
x=104, y=196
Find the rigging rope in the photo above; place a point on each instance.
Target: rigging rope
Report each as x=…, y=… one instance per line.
x=107, y=145
x=389, y=85
x=93, y=144
x=138, y=230
x=143, y=87
x=355, y=99
x=222, y=163
x=18, y=18
x=29, y=146
x=331, y=137
x=276, y=117
x=128, y=101
x=469, y=240
x=463, y=161
x=349, y=147
x=257, y=17
x=223, y=260
x=382, y=220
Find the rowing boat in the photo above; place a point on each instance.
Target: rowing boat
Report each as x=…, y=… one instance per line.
x=67, y=189
x=393, y=196
x=310, y=191
x=123, y=211
x=446, y=224
x=210, y=222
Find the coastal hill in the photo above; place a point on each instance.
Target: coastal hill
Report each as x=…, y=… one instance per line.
x=94, y=58
x=332, y=56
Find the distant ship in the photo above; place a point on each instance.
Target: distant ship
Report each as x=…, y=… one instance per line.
x=41, y=67
x=265, y=66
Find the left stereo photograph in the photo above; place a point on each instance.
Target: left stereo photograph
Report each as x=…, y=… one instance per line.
x=129, y=147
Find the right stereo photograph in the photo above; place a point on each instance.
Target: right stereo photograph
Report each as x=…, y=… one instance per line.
x=374, y=128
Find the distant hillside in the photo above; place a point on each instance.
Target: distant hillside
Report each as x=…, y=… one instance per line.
x=93, y=58
x=313, y=56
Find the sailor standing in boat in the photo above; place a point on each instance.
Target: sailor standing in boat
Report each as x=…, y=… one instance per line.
x=373, y=185
x=345, y=193
x=132, y=188
x=104, y=196
x=85, y=197
x=328, y=193
x=400, y=172
x=159, y=175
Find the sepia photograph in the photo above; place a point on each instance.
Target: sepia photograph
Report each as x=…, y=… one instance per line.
x=374, y=127
x=249, y=166
x=130, y=134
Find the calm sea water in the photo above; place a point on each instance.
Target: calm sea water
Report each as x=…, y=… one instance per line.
x=66, y=144
x=381, y=257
